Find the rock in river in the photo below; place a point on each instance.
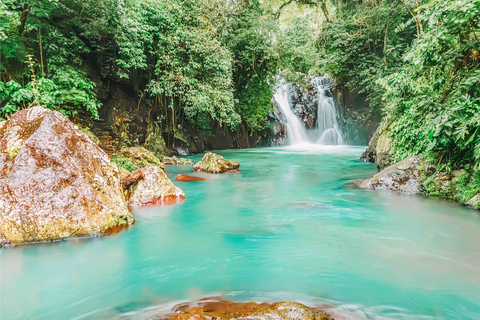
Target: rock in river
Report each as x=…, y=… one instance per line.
x=54, y=181
x=185, y=177
x=402, y=176
x=152, y=187
x=214, y=163
x=226, y=310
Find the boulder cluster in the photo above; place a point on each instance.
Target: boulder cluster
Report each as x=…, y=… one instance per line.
x=56, y=183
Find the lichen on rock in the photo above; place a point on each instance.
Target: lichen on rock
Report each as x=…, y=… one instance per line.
x=151, y=187
x=214, y=163
x=54, y=181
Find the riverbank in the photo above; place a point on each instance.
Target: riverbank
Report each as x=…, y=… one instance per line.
x=419, y=175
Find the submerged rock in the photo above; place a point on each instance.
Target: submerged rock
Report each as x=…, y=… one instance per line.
x=214, y=163
x=225, y=310
x=402, y=176
x=184, y=177
x=54, y=181
x=151, y=186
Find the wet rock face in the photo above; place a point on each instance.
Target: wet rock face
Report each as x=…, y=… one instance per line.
x=305, y=105
x=214, y=163
x=54, y=181
x=225, y=310
x=276, y=130
x=380, y=149
x=151, y=186
x=402, y=176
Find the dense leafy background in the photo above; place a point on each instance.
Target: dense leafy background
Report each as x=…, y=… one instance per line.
x=211, y=63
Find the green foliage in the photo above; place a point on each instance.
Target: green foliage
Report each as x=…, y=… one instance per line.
x=67, y=91
x=468, y=186
x=29, y=31
x=125, y=163
x=365, y=43
x=205, y=62
x=434, y=98
x=295, y=46
x=247, y=33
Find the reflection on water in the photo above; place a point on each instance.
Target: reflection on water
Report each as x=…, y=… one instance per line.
x=287, y=227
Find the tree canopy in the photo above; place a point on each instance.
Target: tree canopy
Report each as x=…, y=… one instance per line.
x=212, y=63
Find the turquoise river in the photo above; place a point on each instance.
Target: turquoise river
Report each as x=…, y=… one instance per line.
x=289, y=226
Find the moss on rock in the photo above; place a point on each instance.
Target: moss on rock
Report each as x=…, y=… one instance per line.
x=214, y=163
x=139, y=157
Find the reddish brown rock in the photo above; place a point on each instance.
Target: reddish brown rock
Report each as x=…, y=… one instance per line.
x=184, y=177
x=133, y=178
x=153, y=189
x=227, y=310
x=54, y=181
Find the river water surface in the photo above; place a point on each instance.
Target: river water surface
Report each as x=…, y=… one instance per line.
x=287, y=227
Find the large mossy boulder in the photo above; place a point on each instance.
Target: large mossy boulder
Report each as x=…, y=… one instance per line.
x=380, y=148
x=151, y=186
x=54, y=181
x=226, y=310
x=403, y=176
x=214, y=163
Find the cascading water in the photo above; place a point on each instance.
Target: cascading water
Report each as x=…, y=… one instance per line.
x=328, y=131
x=295, y=130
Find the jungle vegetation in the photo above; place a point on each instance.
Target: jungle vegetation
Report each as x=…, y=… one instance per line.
x=213, y=62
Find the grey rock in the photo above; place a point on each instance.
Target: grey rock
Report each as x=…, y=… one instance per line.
x=474, y=202
x=402, y=176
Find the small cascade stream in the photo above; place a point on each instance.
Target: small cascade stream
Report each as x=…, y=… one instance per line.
x=327, y=129
x=296, y=131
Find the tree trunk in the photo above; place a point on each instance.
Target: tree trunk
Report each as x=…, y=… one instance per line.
x=325, y=12
x=23, y=19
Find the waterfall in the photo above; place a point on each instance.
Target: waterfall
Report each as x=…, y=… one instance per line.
x=295, y=130
x=328, y=131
